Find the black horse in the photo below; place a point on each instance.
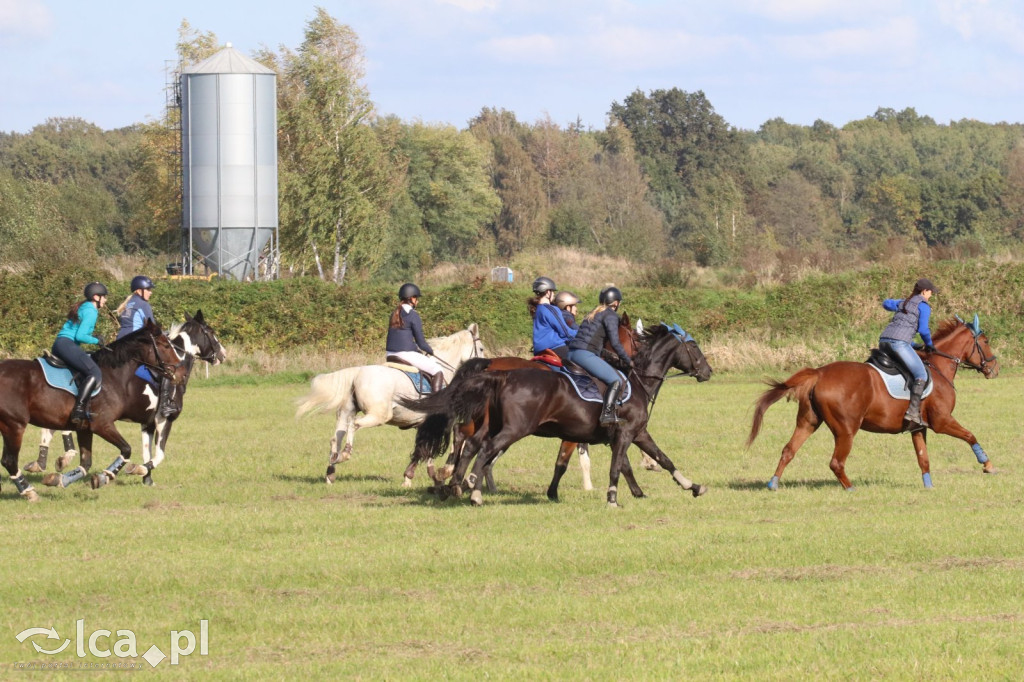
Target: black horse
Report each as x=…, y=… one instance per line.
x=26, y=398
x=526, y=402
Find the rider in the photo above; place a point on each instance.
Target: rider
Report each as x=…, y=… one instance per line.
x=550, y=331
x=78, y=329
x=566, y=301
x=405, y=337
x=132, y=314
x=911, y=317
x=600, y=325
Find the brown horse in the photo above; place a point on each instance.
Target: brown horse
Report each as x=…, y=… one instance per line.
x=849, y=396
x=628, y=339
x=525, y=402
x=26, y=398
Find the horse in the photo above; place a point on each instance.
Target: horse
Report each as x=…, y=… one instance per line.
x=849, y=396
x=628, y=339
x=192, y=339
x=374, y=389
x=526, y=402
x=26, y=398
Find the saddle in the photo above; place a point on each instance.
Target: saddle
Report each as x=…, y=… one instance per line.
x=60, y=376
x=587, y=387
x=420, y=381
x=897, y=378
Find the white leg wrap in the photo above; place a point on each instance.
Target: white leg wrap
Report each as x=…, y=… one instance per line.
x=682, y=480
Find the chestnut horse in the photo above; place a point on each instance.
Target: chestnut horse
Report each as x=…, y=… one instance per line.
x=26, y=398
x=628, y=339
x=849, y=396
x=524, y=402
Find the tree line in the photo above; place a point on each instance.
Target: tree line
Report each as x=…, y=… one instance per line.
x=667, y=179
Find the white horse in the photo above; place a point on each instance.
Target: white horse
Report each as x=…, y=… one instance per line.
x=372, y=390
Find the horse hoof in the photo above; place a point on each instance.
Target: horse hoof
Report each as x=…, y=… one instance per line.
x=329, y=478
x=698, y=489
x=30, y=495
x=406, y=482
x=63, y=461
x=148, y=480
x=99, y=480
x=477, y=498
x=34, y=468
x=773, y=484
x=987, y=468
x=52, y=480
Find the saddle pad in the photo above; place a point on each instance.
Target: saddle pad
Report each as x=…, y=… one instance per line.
x=587, y=389
x=143, y=373
x=897, y=386
x=61, y=378
x=420, y=381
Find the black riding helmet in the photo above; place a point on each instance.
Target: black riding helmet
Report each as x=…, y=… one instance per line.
x=610, y=294
x=94, y=289
x=408, y=290
x=542, y=285
x=141, y=282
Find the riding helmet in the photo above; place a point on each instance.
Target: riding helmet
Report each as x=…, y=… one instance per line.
x=542, y=285
x=564, y=299
x=610, y=294
x=141, y=282
x=94, y=289
x=408, y=290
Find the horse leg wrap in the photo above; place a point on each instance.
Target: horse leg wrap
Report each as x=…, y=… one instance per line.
x=70, y=477
x=471, y=480
x=927, y=478
x=979, y=453
x=682, y=480
x=20, y=483
x=44, y=451
x=773, y=484
x=613, y=496
x=69, y=442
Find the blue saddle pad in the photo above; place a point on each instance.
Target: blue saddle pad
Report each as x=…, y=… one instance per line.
x=420, y=381
x=587, y=389
x=61, y=377
x=143, y=373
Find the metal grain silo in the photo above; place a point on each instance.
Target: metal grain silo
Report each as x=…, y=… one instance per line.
x=229, y=164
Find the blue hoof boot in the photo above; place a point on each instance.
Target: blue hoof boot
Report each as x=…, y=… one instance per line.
x=773, y=484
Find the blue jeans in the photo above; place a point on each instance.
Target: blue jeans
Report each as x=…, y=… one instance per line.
x=908, y=356
x=595, y=365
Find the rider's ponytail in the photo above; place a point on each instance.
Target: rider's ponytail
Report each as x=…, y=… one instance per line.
x=903, y=306
x=593, y=313
x=124, y=304
x=396, y=319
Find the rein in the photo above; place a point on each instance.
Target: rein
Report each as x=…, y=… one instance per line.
x=982, y=366
x=661, y=379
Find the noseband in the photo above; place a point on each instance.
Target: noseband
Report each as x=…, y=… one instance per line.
x=983, y=364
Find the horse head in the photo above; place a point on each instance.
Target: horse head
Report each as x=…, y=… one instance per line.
x=670, y=346
x=200, y=339
x=979, y=356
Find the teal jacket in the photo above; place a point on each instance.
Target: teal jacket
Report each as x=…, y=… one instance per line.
x=80, y=330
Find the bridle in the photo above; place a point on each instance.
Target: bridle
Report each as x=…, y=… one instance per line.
x=164, y=368
x=982, y=366
x=661, y=379
x=476, y=352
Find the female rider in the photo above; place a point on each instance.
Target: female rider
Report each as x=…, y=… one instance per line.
x=911, y=317
x=405, y=337
x=600, y=325
x=550, y=331
x=78, y=329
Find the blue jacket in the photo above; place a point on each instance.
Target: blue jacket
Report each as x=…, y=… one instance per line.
x=134, y=316
x=550, y=329
x=80, y=330
x=408, y=337
x=904, y=324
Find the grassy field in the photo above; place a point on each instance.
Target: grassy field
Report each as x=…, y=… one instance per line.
x=367, y=580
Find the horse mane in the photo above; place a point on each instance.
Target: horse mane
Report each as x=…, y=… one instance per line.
x=446, y=342
x=121, y=351
x=654, y=332
x=946, y=329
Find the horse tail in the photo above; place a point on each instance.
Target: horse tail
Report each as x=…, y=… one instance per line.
x=433, y=403
x=432, y=437
x=328, y=391
x=798, y=387
x=466, y=400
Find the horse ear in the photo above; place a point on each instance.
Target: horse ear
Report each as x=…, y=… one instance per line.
x=188, y=318
x=976, y=325
x=199, y=316
x=473, y=329
x=639, y=326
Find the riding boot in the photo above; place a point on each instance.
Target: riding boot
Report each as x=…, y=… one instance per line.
x=913, y=415
x=436, y=382
x=79, y=418
x=166, y=406
x=608, y=415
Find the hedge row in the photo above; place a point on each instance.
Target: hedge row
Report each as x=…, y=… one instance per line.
x=309, y=314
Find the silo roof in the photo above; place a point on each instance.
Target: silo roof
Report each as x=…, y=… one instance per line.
x=228, y=60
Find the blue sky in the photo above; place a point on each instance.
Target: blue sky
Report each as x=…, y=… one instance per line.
x=443, y=60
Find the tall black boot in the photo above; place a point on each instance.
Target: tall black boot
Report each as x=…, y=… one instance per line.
x=436, y=382
x=79, y=418
x=166, y=407
x=913, y=415
x=608, y=415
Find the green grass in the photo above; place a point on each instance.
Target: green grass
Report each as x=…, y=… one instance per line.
x=367, y=580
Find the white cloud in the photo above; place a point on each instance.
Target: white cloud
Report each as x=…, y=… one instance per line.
x=894, y=39
x=24, y=19
x=998, y=21
x=799, y=11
